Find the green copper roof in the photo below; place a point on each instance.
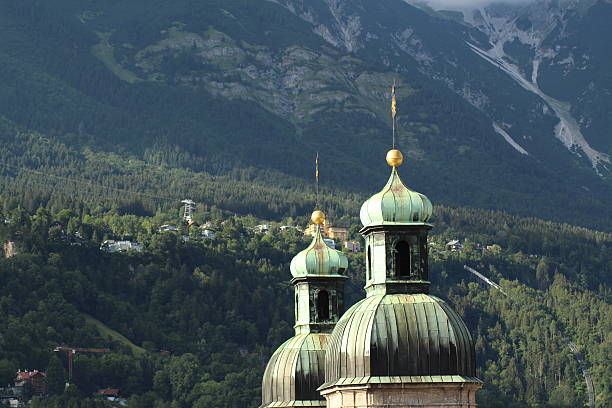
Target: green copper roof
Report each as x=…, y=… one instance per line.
x=294, y=373
x=319, y=260
x=412, y=338
x=395, y=204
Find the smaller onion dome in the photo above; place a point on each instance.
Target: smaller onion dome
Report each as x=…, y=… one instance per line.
x=395, y=203
x=319, y=259
x=294, y=373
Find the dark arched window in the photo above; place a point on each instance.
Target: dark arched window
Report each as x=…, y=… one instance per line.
x=323, y=305
x=369, y=266
x=402, y=260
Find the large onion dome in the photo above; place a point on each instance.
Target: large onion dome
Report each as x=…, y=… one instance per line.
x=399, y=338
x=395, y=203
x=318, y=259
x=294, y=373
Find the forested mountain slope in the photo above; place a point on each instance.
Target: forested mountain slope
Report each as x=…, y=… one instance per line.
x=156, y=97
x=221, y=307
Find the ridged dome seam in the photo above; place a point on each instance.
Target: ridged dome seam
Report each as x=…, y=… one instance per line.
x=334, y=344
x=459, y=343
x=436, y=339
x=274, y=385
x=419, y=341
x=462, y=337
x=268, y=386
x=309, y=361
x=333, y=371
x=297, y=360
x=278, y=386
x=368, y=342
x=441, y=348
x=349, y=355
x=368, y=327
x=327, y=262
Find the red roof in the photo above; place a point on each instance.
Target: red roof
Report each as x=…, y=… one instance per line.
x=27, y=375
x=109, y=392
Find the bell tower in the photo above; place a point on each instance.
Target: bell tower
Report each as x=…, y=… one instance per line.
x=396, y=246
x=318, y=280
x=297, y=368
x=399, y=347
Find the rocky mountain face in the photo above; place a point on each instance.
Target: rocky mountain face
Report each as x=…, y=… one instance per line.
x=503, y=107
x=551, y=51
x=554, y=50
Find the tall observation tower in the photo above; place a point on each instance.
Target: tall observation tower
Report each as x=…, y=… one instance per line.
x=189, y=209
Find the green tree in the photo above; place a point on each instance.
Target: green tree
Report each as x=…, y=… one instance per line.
x=7, y=372
x=56, y=376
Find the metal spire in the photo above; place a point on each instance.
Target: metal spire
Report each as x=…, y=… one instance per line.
x=317, y=181
x=393, y=110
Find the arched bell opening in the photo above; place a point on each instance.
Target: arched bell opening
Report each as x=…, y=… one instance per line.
x=402, y=260
x=322, y=305
x=369, y=266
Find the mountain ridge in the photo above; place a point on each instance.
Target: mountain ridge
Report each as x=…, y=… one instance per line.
x=264, y=99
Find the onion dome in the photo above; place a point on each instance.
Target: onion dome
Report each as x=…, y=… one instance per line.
x=395, y=203
x=294, y=373
x=318, y=259
x=400, y=338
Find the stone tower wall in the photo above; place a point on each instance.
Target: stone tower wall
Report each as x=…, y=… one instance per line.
x=430, y=395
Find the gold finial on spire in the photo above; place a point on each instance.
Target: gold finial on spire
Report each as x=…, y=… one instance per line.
x=318, y=217
x=395, y=158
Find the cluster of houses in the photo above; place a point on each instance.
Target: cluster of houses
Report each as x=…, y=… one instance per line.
x=456, y=245
x=331, y=234
x=205, y=232
x=11, y=248
x=29, y=383
x=120, y=246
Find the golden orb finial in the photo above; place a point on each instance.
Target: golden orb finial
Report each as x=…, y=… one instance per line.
x=395, y=158
x=318, y=217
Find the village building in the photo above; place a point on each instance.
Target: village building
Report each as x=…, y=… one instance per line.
x=352, y=246
x=10, y=249
x=289, y=228
x=208, y=234
x=454, y=246
x=261, y=229
x=120, y=246
x=330, y=243
x=329, y=231
x=167, y=228
x=34, y=379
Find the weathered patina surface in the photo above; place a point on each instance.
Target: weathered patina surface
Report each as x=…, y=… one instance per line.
x=400, y=338
x=294, y=373
x=319, y=260
x=297, y=368
x=395, y=204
